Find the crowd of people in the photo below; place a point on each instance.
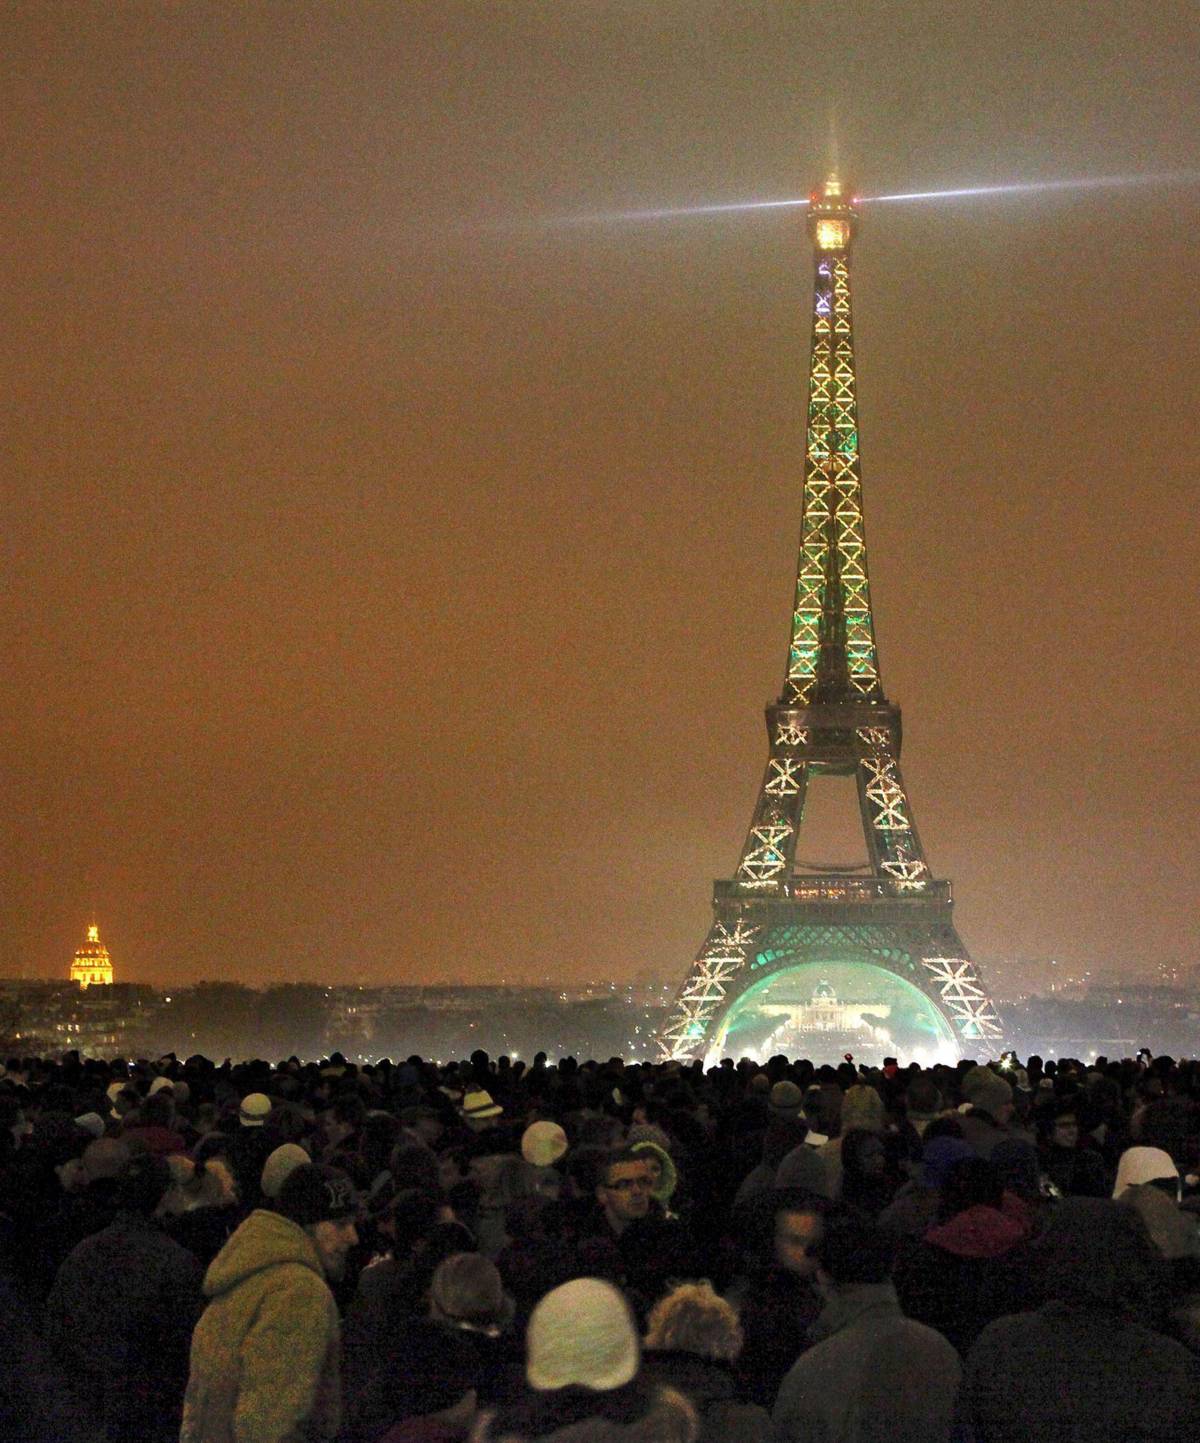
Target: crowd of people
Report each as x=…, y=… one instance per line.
x=598, y=1252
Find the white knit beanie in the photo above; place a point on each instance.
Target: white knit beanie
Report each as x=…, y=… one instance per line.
x=1145, y=1164
x=280, y=1165
x=582, y=1333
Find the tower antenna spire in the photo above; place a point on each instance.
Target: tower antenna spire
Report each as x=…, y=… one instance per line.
x=834, y=157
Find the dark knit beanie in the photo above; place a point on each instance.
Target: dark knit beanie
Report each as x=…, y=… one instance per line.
x=314, y=1194
x=985, y=1089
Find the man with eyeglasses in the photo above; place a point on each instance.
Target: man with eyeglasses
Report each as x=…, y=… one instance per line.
x=632, y=1243
x=624, y=1192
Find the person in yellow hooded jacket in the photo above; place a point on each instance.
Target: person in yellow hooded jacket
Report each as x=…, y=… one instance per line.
x=265, y=1353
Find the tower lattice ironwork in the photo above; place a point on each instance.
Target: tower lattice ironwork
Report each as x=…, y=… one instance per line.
x=832, y=718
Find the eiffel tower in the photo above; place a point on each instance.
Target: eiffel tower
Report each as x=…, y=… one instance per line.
x=879, y=936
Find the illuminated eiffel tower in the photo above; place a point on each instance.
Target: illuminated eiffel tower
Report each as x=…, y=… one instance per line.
x=881, y=936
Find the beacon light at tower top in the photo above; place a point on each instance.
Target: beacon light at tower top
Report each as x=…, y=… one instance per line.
x=831, y=216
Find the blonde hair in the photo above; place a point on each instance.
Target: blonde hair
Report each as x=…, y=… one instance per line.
x=197, y=1185
x=692, y=1319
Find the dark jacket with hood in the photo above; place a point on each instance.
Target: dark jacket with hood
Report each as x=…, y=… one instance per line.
x=967, y=1271
x=1083, y=1367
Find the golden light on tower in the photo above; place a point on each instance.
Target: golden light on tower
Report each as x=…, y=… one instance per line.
x=831, y=216
x=92, y=966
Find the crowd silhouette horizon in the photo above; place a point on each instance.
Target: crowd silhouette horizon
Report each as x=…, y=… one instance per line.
x=494, y=1251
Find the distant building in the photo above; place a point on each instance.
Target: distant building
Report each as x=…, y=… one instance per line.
x=92, y=966
x=825, y=1022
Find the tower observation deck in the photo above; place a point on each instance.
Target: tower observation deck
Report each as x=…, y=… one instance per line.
x=879, y=941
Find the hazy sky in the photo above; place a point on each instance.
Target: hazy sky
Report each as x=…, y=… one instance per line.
x=393, y=579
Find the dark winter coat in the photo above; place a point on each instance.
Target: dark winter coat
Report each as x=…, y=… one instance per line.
x=204, y=1231
x=912, y=1212
x=412, y=1367
x=247, y=1150
x=73, y=1217
x=1067, y=1374
x=1085, y=1366
x=119, y=1317
x=643, y=1261
x=1075, y=1171
x=966, y=1272
x=711, y=1388
x=638, y=1413
x=776, y=1310
x=871, y=1376
x=36, y=1406
x=983, y=1134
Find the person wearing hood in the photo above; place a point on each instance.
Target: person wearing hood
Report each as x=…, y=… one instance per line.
x=965, y=1272
x=265, y=1353
x=872, y=1374
x=201, y=1209
x=988, y=1102
x=1148, y=1182
x=1085, y=1365
x=914, y=1210
x=862, y=1110
x=664, y=1175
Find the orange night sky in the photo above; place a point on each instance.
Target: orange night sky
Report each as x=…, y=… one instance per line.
x=394, y=577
